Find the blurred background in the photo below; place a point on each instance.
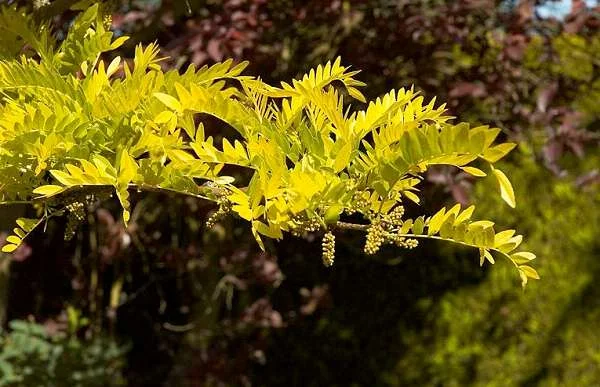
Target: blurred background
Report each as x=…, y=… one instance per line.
x=166, y=302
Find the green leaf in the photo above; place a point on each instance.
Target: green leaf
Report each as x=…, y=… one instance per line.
x=506, y=189
x=418, y=226
x=332, y=214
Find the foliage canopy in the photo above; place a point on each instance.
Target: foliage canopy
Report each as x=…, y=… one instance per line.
x=73, y=128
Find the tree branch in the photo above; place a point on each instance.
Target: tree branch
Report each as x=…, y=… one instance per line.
x=351, y=226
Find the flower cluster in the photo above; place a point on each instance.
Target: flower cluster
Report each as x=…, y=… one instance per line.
x=301, y=225
x=75, y=216
x=407, y=243
x=359, y=203
x=385, y=229
x=328, y=245
x=221, y=213
x=376, y=236
x=394, y=218
x=37, y=4
x=107, y=21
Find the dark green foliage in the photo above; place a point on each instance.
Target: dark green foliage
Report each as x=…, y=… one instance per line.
x=30, y=356
x=483, y=335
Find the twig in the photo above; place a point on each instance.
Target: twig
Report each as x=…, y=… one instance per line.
x=351, y=226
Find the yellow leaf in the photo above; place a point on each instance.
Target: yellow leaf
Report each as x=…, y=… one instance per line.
x=89, y=168
x=522, y=257
x=19, y=232
x=529, y=271
x=115, y=292
x=9, y=248
x=258, y=238
x=113, y=66
x=436, y=222
x=27, y=224
x=126, y=216
x=342, y=159
x=417, y=227
x=243, y=211
x=118, y=42
x=224, y=179
x=511, y=244
x=474, y=171
x=180, y=155
x=523, y=278
x=163, y=117
x=464, y=216
x=271, y=231
x=482, y=223
x=412, y=196
x=503, y=237
x=489, y=256
x=103, y=166
x=127, y=168
x=497, y=152
x=406, y=226
x=453, y=211
x=506, y=189
x=42, y=165
x=14, y=239
x=123, y=195
x=48, y=190
x=169, y=101
x=64, y=178
x=356, y=94
x=75, y=172
x=184, y=96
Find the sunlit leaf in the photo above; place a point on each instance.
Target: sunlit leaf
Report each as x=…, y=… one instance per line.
x=506, y=189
